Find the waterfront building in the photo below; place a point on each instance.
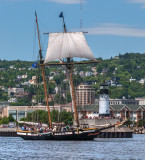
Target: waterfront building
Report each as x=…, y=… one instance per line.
x=3, y=105
x=19, y=112
x=132, y=112
x=85, y=95
x=141, y=100
x=123, y=101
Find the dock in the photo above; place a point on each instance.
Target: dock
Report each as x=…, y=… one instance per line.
x=121, y=132
x=8, y=132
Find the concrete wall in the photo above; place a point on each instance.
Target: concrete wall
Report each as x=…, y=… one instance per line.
x=91, y=123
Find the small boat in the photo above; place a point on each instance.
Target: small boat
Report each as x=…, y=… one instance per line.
x=65, y=45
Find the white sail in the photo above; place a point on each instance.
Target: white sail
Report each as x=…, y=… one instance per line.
x=67, y=45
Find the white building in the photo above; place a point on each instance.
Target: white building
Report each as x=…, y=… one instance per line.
x=142, y=81
x=19, y=76
x=11, y=66
x=132, y=80
x=141, y=100
x=87, y=74
x=123, y=101
x=24, y=76
x=82, y=74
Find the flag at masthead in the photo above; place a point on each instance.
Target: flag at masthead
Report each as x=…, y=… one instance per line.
x=64, y=26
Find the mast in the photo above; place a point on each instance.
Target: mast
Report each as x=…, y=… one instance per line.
x=66, y=69
x=70, y=67
x=43, y=75
x=73, y=95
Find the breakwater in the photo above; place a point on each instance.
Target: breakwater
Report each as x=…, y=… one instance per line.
x=8, y=132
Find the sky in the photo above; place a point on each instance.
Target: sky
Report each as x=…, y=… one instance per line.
x=114, y=26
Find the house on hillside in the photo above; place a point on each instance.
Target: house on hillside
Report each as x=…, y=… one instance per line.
x=138, y=67
x=19, y=76
x=132, y=80
x=51, y=78
x=24, y=76
x=116, y=57
x=3, y=88
x=54, y=73
x=2, y=69
x=21, y=94
x=12, y=66
x=93, y=69
x=32, y=81
x=75, y=72
x=142, y=81
x=14, y=91
x=17, y=85
x=13, y=100
x=95, y=73
x=87, y=74
x=104, y=71
x=81, y=73
x=26, y=84
x=20, y=69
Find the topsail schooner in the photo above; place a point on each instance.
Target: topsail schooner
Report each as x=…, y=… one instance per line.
x=65, y=45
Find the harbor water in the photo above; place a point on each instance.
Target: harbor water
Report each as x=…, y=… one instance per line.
x=15, y=148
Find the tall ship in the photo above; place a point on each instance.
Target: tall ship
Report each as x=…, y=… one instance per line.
x=63, y=47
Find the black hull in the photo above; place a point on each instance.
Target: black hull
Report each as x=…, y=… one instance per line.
x=73, y=137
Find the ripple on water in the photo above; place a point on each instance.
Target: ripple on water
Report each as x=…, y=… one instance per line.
x=116, y=149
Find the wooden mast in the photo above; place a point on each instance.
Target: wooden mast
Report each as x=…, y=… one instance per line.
x=74, y=101
x=43, y=75
x=70, y=67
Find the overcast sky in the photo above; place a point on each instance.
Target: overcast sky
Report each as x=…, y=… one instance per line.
x=113, y=26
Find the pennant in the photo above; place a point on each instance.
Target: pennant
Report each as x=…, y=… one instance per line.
x=36, y=16
x=61, y=15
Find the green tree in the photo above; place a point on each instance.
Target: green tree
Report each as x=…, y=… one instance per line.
x=4, y=120
x=141, y=123
x=11, y=119
x=59, y=99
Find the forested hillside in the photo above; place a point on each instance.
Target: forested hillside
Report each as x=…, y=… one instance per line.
x=125, y=75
